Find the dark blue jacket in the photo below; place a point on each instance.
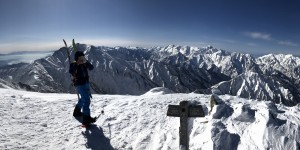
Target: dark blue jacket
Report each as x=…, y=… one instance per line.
x=80, y=72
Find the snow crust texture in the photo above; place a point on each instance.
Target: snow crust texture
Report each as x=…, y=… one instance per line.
x=182, y=69
x=44, y=121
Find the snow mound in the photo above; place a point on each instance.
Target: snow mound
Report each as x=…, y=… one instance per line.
x=44, y=121
x=159, y=91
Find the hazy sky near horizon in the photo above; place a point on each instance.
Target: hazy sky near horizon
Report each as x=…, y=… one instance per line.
x=248, y=26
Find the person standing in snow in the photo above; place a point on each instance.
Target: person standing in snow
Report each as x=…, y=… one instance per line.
x=79, y=70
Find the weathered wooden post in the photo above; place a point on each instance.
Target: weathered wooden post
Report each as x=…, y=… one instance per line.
x=184, y=110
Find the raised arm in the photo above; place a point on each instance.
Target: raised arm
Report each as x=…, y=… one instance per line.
x=89, y=65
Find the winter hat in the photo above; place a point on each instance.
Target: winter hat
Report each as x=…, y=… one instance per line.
x=78, y=54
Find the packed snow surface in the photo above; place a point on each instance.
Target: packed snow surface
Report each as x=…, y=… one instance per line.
x=44, y=121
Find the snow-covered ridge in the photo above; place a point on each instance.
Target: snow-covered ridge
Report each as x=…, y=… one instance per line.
x=263, y=87
x=286, y=64
x=41, y=121
x=178, y=68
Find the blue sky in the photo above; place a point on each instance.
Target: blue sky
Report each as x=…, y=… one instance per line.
x=252, y=26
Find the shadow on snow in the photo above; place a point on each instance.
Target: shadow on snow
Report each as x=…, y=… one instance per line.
x=95, y=139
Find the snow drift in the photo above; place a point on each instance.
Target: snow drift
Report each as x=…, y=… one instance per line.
x=44, y=121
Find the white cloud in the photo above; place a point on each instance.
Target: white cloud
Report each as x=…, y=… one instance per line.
x=118, y=42
x=192, y=43
x=29, y=46
x=258, y=35
x=150, y=43
x=287, y=43
x=55, y=45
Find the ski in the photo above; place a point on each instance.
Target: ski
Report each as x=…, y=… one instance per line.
x=74, y=46
x=68, y=51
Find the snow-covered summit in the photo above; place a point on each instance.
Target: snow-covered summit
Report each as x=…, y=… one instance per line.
x=44, y=121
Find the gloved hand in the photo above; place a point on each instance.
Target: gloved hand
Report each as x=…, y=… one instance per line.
x=84, y=60
x=81, y=60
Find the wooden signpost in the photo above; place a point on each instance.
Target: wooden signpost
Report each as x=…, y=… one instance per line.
x=184, y=110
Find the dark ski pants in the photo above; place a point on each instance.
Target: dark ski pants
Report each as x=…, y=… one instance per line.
x=84, y=101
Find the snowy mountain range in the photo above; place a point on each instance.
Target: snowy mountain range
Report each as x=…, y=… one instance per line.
x=182, y=69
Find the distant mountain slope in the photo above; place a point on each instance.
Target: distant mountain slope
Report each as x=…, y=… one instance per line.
x=257, y=86
x=133, y=70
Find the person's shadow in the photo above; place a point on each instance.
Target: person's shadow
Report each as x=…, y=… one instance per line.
x=96, y=139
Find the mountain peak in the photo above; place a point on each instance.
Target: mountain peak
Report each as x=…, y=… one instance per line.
x=181, y=69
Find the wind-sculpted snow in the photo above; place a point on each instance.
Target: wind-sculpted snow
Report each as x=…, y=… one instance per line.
x=44, y=121
x=159, y=91
x=133, y=70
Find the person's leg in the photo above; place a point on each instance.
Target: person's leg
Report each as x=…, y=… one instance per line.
x=87, y=119
x=77, y=110
x=80, y=90
x=85, y=96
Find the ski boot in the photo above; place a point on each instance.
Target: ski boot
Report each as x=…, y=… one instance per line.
x=87, y=120
x=77, y=112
